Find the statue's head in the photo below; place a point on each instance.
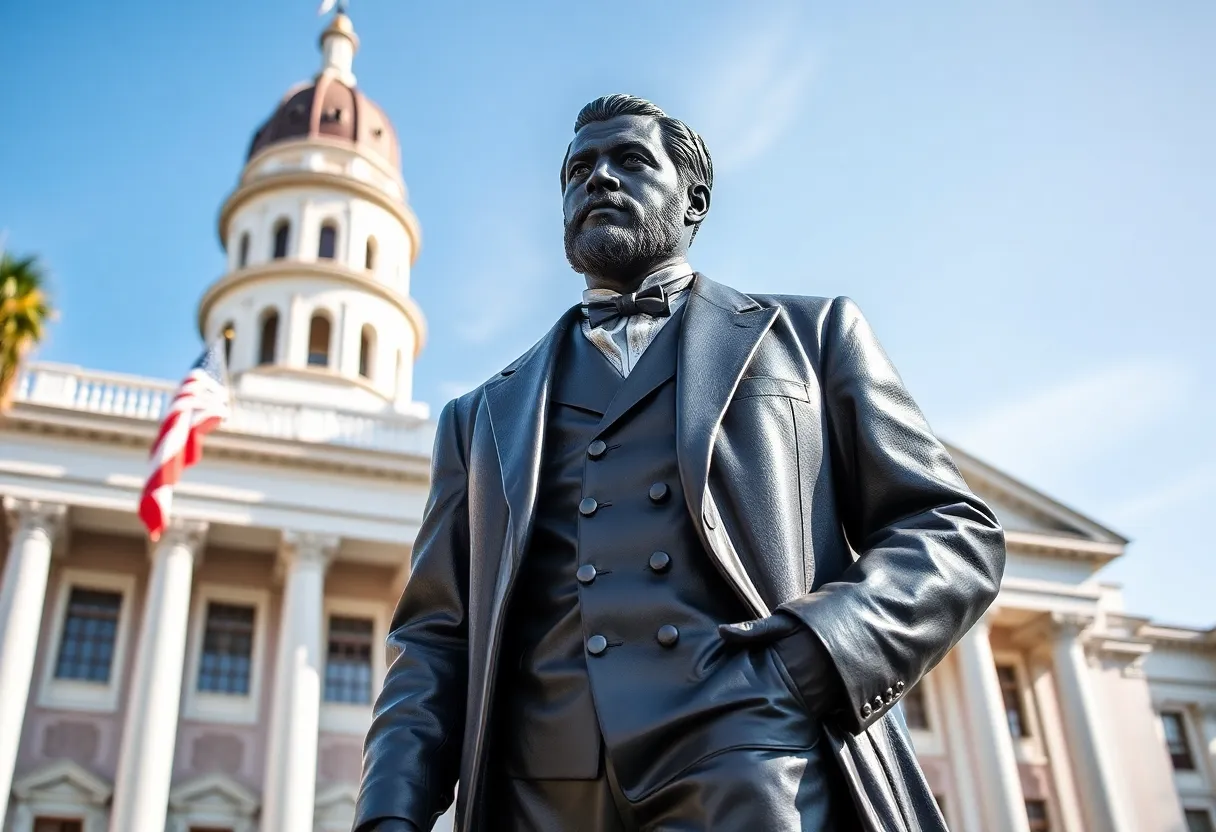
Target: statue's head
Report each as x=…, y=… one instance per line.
x=635, y=187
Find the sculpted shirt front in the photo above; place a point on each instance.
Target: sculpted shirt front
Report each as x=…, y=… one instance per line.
x=624, y=340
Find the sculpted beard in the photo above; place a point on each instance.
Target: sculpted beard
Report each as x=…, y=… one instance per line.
x=623, y=250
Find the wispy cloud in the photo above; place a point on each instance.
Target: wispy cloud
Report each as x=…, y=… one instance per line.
x=1165, y=497
x=452, y=389
x=752, y=96
x=1052, y=431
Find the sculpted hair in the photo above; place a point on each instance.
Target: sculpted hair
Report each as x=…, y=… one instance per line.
x=685, y=147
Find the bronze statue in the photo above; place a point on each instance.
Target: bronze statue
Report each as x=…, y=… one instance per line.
x=682, y=559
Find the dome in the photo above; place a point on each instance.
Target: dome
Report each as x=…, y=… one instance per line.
x=331, y=107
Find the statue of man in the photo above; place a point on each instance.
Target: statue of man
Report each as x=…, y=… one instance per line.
x=681, y=559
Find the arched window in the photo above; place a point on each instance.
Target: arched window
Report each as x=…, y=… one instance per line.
x=367, y=346
x=269, y=339
x=369, y=259
x=328, y=244
x=243, y=251
x=318, y=341
x=229, y=332
x=282, y=233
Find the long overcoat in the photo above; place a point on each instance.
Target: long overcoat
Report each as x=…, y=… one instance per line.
x=816, y=487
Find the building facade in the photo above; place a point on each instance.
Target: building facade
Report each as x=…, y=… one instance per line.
x=222, y=678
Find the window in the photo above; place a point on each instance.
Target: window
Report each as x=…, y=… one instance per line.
x=270, y=337
x=57, y=825
x=328, y=244
x=86, y=649
x=348, y=662
x=318, y=341
x=1198, y=820
x=369, y=257
x=282, y=233
x=1036, y=814
x=227, y=655
x=367, y=343
x=915, y=712
x=1007, y=675
x=229, y=332
x=1174, y=723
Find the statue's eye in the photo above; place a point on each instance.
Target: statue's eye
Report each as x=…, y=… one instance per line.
x=634, y=160
x=578, y=169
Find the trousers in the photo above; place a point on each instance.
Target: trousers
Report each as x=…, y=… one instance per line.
x=736, y=790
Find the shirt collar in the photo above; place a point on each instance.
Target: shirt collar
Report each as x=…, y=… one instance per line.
x=663, y=277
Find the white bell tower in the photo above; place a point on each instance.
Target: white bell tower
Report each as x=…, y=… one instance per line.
x=320, y=241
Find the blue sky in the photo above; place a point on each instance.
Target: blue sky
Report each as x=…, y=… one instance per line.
x=1020, y=195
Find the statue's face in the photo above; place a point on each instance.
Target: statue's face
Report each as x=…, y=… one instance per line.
x=625, y=202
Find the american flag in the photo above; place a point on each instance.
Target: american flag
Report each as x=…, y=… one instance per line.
x=200, y=405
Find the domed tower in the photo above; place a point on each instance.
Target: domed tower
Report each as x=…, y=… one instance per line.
x=320, y=240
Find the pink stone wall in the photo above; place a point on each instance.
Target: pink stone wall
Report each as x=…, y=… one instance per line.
x=1141, y=763
x=237, y=750
x=90, y=739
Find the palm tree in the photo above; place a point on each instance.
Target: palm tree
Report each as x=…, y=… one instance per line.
x=24, y=312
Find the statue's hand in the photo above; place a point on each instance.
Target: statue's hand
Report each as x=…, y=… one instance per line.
x=760, y=631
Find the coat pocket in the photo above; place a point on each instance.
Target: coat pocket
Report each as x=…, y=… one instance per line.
x=753, y=386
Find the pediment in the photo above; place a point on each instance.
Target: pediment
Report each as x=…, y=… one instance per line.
x=65, y=782
x=213, y=794
x=1023, y=510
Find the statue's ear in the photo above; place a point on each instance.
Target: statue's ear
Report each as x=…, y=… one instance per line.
x=698, y=204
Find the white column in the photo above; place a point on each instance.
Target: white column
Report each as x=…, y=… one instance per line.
x=32, y=530
x=1092, y=757
x=290, y=787
x=149, y=735
x=968, y=801
x=1054, y=740
x=1207, y=733
x=996, y=764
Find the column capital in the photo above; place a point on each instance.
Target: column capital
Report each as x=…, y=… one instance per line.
x=1071, y=624
x=184, y=533
x=27, y=517
x=306, y=548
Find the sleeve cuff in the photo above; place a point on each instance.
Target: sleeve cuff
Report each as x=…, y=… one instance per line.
x=811, y=668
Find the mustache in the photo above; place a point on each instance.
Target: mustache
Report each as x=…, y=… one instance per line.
x=607, y=201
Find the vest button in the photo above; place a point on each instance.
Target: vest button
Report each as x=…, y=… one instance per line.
x=597, y=645
x=668, y=635
x=659, y=492
x=597, y=448
x=660, y=561
x=866, y=710
x=585, y=574
x=587, y=506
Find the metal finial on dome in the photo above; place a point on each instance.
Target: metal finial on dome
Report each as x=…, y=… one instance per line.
x=338, y=43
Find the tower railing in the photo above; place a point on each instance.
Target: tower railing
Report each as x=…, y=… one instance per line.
x=134, y=397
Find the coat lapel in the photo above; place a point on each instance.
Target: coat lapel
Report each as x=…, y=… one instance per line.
x=518, y=405
x=721, y=330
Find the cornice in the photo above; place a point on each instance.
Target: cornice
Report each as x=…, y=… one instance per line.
x=1060, y=546
x=260, y=185
x=341, y=146
x=286, y=269
x=314, y=374
x=139, y=433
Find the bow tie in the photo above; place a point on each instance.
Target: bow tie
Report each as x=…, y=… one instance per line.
x=651, y=301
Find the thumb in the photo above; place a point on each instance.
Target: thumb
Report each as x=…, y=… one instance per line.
x=757, y=631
